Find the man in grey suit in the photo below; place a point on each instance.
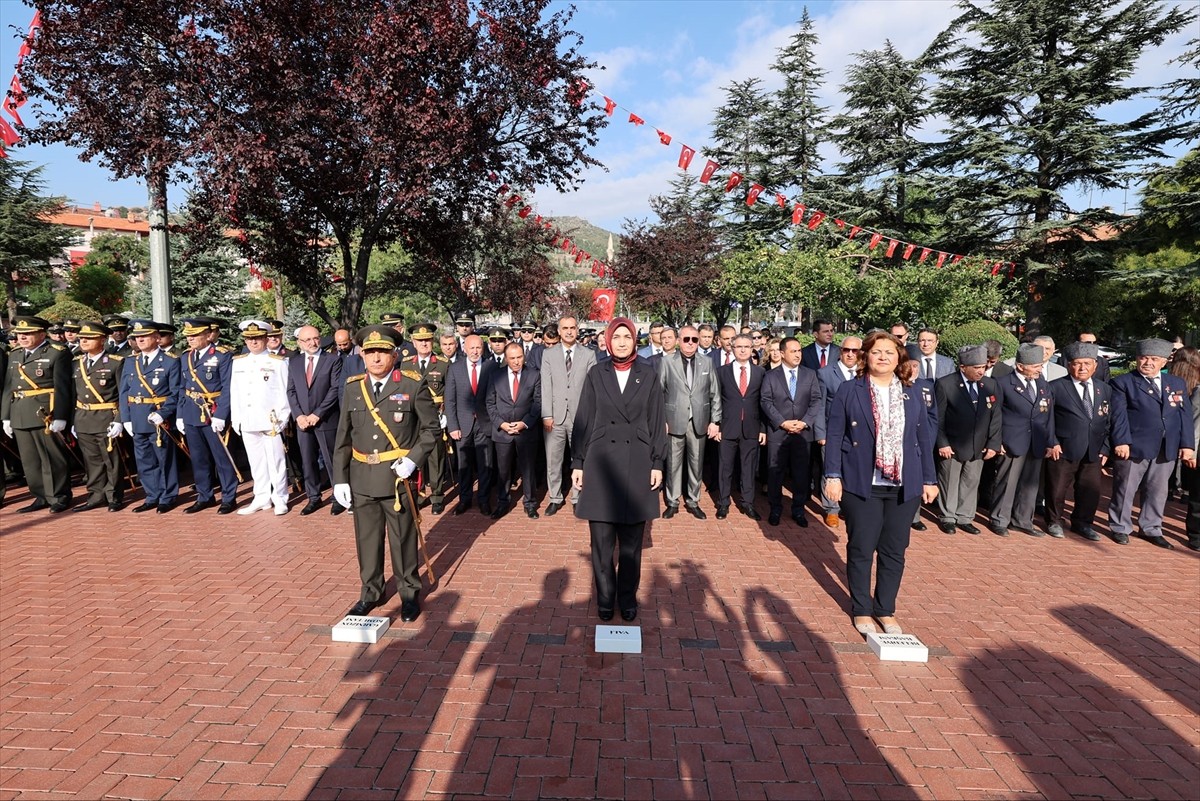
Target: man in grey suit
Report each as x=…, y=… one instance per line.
x=933, y=364
x=831, y=377
x=564, y=367
x=693, y=407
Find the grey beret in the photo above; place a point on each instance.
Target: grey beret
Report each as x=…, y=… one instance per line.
x=1030, y=353
x=1082, y=350
x=972, y=355
x=1154, y=347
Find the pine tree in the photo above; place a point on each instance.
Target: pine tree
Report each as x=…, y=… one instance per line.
x=740, y=144
x=796, y=124
x=1024, y=84
x=27, y=240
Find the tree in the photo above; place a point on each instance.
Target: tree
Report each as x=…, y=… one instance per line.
x=305, y=121
x=27, y=239
x=98, y=286
x=206, y=281
x=126, y=255
x=795, y=123
x=1023, y=85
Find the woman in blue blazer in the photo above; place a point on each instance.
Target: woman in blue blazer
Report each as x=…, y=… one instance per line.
x=879, y=467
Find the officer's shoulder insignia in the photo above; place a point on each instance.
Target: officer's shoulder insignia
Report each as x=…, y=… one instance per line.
x=56, y=346
x=278, y=357
x=241, y=355
x=224, y=349
x=116, y=357
x=413, y=374
x=354, y=378
x=170, y=355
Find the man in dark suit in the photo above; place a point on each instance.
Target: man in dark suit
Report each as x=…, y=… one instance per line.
x=791, y=402
x=933, y=364
x=1027, y=429
x=533, y=349
x=831, y=378
x=995, y=367
x=1151, y=430
x=742, y=430
x=822, y=352
x=467, y=423
x=1082, y=415
x=693, y=411
x=312, y=391
x=722, y=352
x=968, y=434
x=513, y=415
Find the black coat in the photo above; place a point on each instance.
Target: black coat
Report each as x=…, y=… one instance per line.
x=1082, y=438
x=968, y=428
x=619, y=437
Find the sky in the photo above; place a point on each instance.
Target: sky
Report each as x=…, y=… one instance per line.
x=668, y=61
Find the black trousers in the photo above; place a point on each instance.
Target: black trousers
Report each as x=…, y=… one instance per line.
x=475, y=460
x=619, y=583
x=790, y=455
x=1060, y=474
x=878, y=531
x=740, y=454
x=315, y=446
x=516, y=455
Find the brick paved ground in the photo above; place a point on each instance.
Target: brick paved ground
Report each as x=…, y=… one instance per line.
x=146, y=656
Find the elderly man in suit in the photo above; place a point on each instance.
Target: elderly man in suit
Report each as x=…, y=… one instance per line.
x=791, y=403
x=742, y=431
x=467, y=381
x=1151, y=430
x=564, y=366
x=822, y=352
x=514, y=404
x=831, y=377
x=1027, y=429
x=968, y=434
x=1082, y=417
x=933, y=365
x=314, y=379
x=693, y=409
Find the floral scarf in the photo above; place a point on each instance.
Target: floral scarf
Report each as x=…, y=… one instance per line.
x=889, y=430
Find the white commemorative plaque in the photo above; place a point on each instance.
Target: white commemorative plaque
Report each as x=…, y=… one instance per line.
x=359, y=628
x=618, y=639
x=898, y=647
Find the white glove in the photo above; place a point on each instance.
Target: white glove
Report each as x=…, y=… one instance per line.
x=218, y=425
x=8, y=427
x=341, y=494
x=129, y=429
x=404, y=468
x=278, y=426
x=155, y=418
x=114, y=430
x=442, y=420
x=73, y=434
x=181, y=426
x=58, y=426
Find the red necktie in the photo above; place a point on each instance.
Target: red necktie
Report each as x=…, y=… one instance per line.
x=516, y=385
x=308, y=371
x=822, y=357
x=474, y=379
x=743, y=382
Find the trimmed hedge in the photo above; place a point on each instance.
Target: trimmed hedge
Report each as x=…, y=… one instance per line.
x=68, y=308
x=974, y=333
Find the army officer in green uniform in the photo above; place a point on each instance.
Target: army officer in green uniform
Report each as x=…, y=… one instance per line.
x=388, y=426
x=96, y=379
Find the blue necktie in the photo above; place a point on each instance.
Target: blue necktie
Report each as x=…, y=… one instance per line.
x=792, y=384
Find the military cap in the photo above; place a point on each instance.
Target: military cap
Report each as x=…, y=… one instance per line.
x=498, y=334
x=116, y=322
x=1155, y=347
x=29, y=324
x=55, y=328
x=1082, y=350
x=193, y=326
x=252, y=329
x=391, y=318
x=1030, y=353
x=972, y=355
x=528, y=325
x=422, y=331
x=276, y=328
x=70, y=324
x=376, y=337
x=464, y=317
x=165, y=328
x=91, y=328
x=140, y=328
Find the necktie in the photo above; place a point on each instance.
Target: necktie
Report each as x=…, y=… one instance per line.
x=1031, y=390
x=424, y=366
x=568, y=361
x=822, y=357
x=974, y=390
x=687, y=372
x=743, y=382
x=378, y=389
x=792, y=384
x=929, y=368
x=474, y=379
x=516, y=386
x=1153, y=387
x=145, y=361
x=1087, y=398
x=308, y=370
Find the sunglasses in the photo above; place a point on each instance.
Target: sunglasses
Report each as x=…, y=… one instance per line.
x=851, y=350
x=689, y=339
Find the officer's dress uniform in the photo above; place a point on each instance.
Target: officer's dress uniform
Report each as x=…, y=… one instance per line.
x=259, y=411
x=150, y=383
x=203, y=399
x=37, y=390
x=434, y=469
x=97, y=385
x=375, y=430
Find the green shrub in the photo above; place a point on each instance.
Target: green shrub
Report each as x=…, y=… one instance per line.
x=68, y=308
x=974, y=333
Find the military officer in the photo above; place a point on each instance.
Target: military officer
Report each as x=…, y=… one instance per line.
x=55, y=334
x=396, y=321
x=497, y=341
x=149, y=392
x=35, y=404
x=203, y=405
x=291, y=445
x=96, y=380
x=259, y=411
x=71, y=335
x=432, y=369
x=388, y=426
x=118, y=339
x=275, y=345
x=166, y=339
x=464, y=326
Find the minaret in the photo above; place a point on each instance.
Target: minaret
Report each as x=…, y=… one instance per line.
x=610, y=249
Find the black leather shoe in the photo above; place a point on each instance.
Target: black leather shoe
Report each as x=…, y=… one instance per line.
x=532, y=512
x=722, y=512
x=670, y=512
x=1193, y=546
x=36, y=506
x=1089, y=533
x=485, y=509
x=336, y=509
x=501, y=511
x=145, y=507
x=199, y=506
x=61, y=506
x=363, y=608
x=410, y=610
x=629, y=614
x=436, y=507
x=947, y=528
x=1119, y=539
x=115, y=506
x=774, y=517
x=800, y=520
x=552, y=509
x=228, y=507
x=462, y=507
x=1159, y=541
x=970, y=528
x=1055, y=531
x=605, y=614
x=309, y=508
x=750, y=512
x=163, y=508
x=1000, y=531
x=87, y=507
x=919, y=526
x=697, y=512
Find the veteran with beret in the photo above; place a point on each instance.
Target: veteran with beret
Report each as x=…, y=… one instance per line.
x=1080, y=445
x=1026, y=431
x=35, y=405
x=1151, y=430
x=148, y=403
x=388, y=426
x=96, y=381
x=968, y=433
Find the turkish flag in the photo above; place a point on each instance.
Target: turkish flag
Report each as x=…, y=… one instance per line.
x=956, y=259
x=1012, y=269
x=604, y=302
x=755, y=191
x=663, y=137
x=854, y=229
x=7, y=134
x=924, y=255
x=908, y=251
x=781, y=200
x=709, y=169
x=839, y=223
x=512, y=201
x=941, y=259
x=815, y=220
x=798, y=214
x=635, y=119
x=875, y=240
x=996, y=268
x=609, y=105
x=11, y=107
x=685, y=157
x=892, y=243
x=524, y=212
x=734, y=180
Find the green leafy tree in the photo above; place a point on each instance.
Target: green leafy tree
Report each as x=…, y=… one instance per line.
x=27, y=239
x=208, y=282
x=1023, y=86
x=126, y=255
x=98, y=286
x=68, y=309
x=952, y=295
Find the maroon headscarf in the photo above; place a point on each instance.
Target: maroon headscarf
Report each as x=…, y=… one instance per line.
x=619, y=322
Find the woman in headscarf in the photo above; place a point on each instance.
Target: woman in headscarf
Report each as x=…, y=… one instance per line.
x=879, y=467
x=619, y=443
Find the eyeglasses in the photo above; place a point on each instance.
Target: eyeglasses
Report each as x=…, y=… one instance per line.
x=851, y=350
x=689, y=339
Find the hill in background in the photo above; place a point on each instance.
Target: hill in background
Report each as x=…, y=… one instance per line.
x=591, y=238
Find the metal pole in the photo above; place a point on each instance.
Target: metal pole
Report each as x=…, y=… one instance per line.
x=160, y=251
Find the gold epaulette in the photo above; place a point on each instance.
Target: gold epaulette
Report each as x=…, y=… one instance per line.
x=413, y=374
x=57, y=346
x=116, y=356
x=224, y=349
x=354, y=378
x=277, y=356
x=168, y=353
x=241, y=355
